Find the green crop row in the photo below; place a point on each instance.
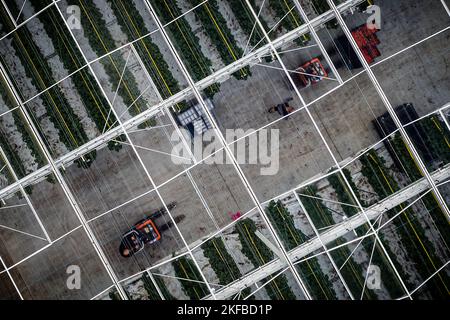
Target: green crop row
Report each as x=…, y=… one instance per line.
x=408, y=166
x=373, y=170
x=93, y=100
x=290, y=18
x=186, y=269
x=320, y=6
x=216, y=28
x=12, y=156
x=69, y=127
x=418, y=247
x=114, y=295
x=24, y=131
x=14, y=161
x=437, y=138
x=388, y=278
x=247, y=21
x=151, y=289
x=252, y=246
x=222, y=263
x=439, y=217
x=149, y=52
x=259, y=254
x=343, y=193
x=287, y=10
x=102, y=42
x=379, y=258
x=352, y=272
x=284, y=224
x=17, y=12
x=318, y=283
x=319, y=214
x=186, y=42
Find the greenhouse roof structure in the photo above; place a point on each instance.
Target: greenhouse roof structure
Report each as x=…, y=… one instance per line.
x=224, y=149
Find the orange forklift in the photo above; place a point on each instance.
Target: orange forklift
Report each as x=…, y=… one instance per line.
x=311, y=72
x=145, y=232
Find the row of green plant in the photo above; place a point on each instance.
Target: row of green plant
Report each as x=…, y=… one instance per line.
x=69, y=127
x=186, y=269
x=343, y=193
x=321, y=217
x=114, y=295
x=389, y=279
x=259, y=254
x=388, y=276
x=320, y=6
x=14, y=161
x=20, y=14
x=151, y=289
x=410, y=168
x=437, y=138
x=281, y=218
x=318, y=283
x=93, y=99
x=222, y=263
x=220, y=35
x=13, y=158
x=404, y=158
x=418, y=247
x=22, y=129
x=247, y=21
x=102, y=42
x=133, y=25
x=439, y=217
x=186, y=42
x=286, y=11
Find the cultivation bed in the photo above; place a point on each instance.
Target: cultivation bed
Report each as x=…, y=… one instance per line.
x=67, y=87
x=27, y=90
x=208, y=48
x=158, y=40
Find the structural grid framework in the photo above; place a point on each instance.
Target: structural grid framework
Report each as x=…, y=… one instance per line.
x=224, y=149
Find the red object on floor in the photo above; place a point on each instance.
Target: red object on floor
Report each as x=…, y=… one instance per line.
x=367, y=41
x=235, y=216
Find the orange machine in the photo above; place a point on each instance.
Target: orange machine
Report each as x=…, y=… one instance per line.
x=144, y=232
x=311, y=72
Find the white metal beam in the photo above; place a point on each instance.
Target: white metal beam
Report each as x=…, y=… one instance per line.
x=334, y=233
x=226, y=147
x=62, y=183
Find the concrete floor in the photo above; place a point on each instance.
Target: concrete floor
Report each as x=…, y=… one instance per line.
x=114, y=178
x=7, y=290
x=15, y=246
x=44, y=276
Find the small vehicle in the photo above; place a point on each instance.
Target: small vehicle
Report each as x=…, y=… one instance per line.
x=282, y=108
x=312, y=72
x=145, y=232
